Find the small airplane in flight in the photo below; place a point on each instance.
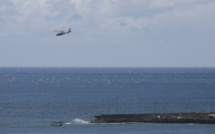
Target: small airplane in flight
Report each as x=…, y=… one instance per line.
x=62, y=32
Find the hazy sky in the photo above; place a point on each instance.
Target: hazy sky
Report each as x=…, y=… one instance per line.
x=107, y=33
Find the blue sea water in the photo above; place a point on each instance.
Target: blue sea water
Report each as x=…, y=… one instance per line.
x=31, y=98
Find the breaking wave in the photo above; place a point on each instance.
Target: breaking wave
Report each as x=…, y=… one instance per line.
x=78, y=121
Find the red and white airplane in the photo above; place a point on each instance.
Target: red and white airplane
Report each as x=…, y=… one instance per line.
x=62, y=32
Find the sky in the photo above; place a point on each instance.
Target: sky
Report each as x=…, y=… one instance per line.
x=107, y=33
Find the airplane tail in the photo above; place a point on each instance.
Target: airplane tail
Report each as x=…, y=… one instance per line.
x=69, y=31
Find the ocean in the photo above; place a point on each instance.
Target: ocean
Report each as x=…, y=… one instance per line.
x=32, y=98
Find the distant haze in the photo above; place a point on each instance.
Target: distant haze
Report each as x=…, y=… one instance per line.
x=107, y=33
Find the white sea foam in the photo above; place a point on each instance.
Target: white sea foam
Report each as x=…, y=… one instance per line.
x=68, y=123
x=77, y=121
x=80, y=121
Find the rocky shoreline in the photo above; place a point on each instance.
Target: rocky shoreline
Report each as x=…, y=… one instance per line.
x=200, y=118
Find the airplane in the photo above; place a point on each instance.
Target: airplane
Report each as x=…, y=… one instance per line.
x=61, y=32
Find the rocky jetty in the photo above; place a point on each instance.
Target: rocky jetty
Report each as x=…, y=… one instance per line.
x=202, y=118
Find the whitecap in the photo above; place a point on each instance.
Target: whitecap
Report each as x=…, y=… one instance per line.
x=77, y=121
x=68, y=123
x=80, y=121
